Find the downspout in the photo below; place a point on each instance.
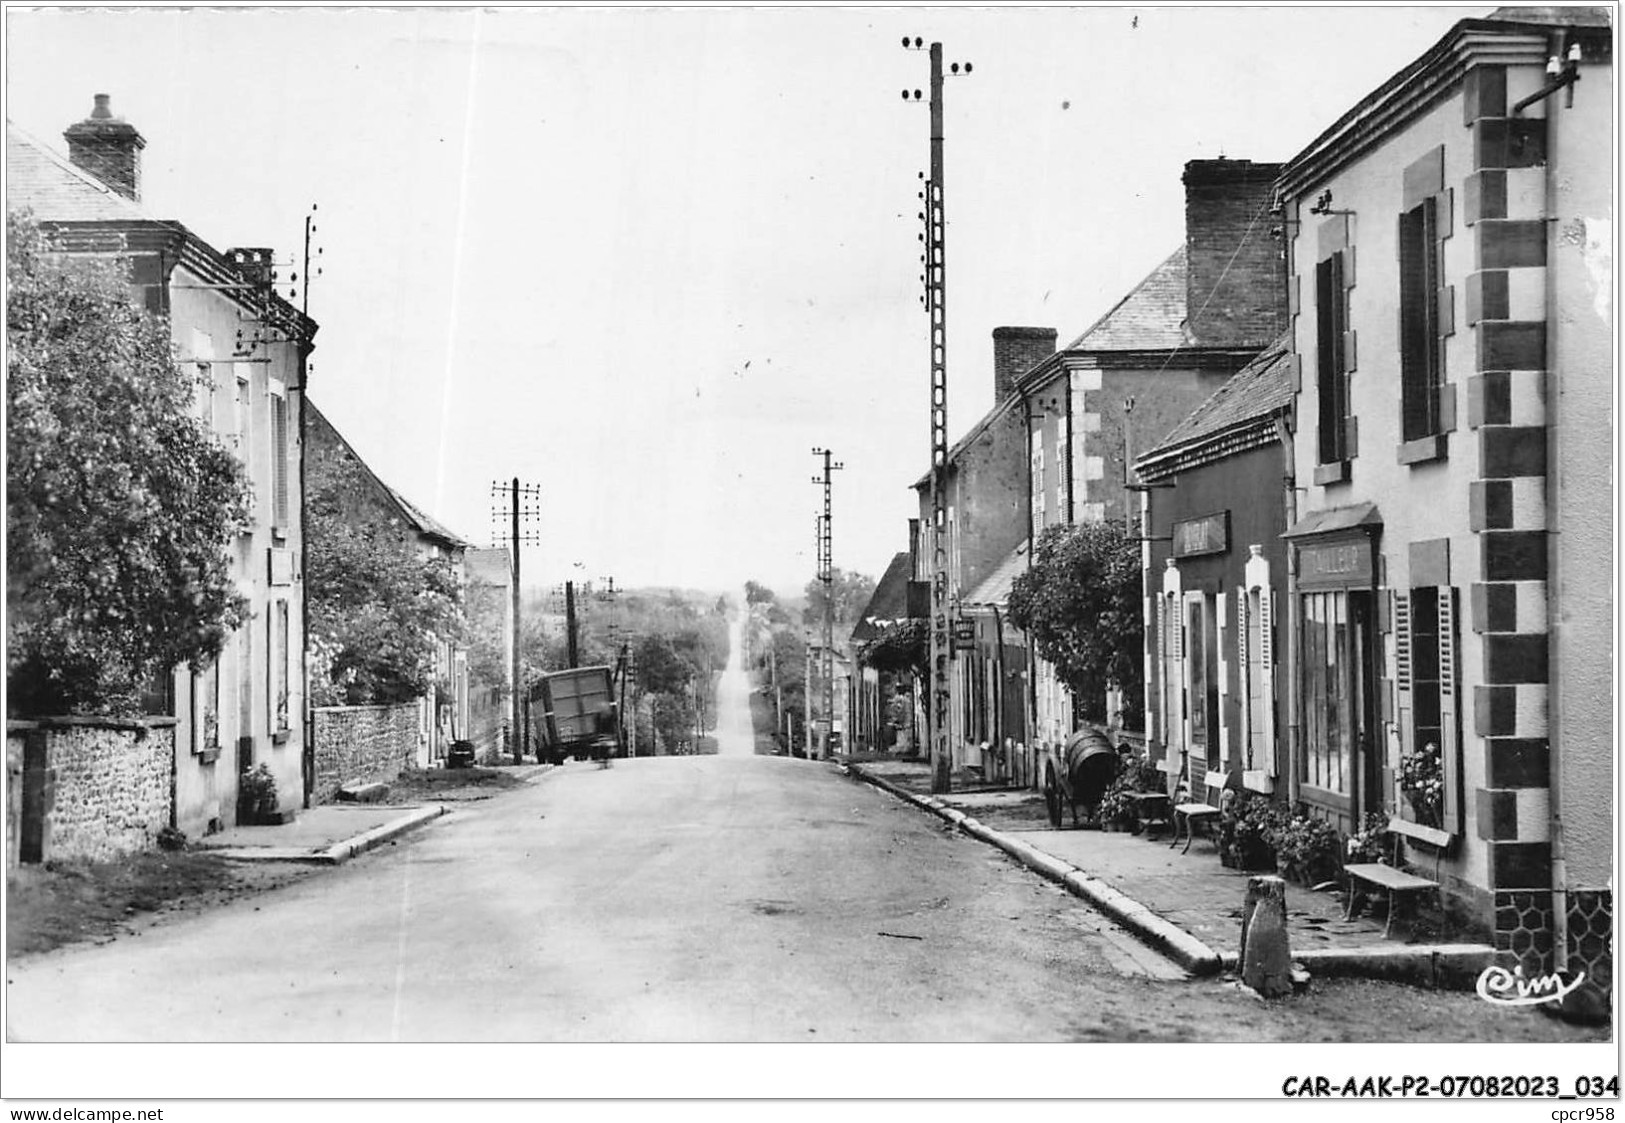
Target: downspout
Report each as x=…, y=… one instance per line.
x=998, y=678
x=1569, y=74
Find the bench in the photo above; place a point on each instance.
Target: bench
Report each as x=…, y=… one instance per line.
x=1191, y=812
x=1366, y=876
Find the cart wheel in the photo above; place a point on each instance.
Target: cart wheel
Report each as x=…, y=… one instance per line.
x=1052, y=799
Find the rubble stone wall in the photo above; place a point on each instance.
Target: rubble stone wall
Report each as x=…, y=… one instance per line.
x=367, y=744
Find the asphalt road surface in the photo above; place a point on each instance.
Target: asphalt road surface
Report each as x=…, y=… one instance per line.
x=735, y=735
x=708, y=898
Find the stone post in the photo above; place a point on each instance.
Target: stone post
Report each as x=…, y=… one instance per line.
x=1266, y=957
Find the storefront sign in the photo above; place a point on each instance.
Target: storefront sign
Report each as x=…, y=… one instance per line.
x=964, y=635
x=1209, y=534
x=1335, y=564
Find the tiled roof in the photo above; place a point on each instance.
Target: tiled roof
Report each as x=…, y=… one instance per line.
x=995, y=587
x=1256, y=390
x=40, y=180
x=889, y=602
x=1150, y=318
x=425, y=524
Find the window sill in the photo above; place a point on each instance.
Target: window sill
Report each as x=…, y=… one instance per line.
x=209, y=755
x=1425, y=449
x=1337, y=472
x=280, y=737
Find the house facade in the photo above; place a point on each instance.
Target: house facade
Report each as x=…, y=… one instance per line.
x=443, y=712
x=1450, y=615
x=987, y=500
x=1138, y=371
x=250, y=348
x=1214, y=510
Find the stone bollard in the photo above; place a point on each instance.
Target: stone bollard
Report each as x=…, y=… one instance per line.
x=1266, y=957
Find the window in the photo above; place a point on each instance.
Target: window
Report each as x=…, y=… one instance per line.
x=1039, y=506
x=278, y=656
x=279, y=461
x=244, y=428
x=206, y=710
x=1327, y=720
x=1425, y=685
x=1332, y=367
x=1420, y=342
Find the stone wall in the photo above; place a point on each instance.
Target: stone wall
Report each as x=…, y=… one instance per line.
x=362, y=743
x=105, y=790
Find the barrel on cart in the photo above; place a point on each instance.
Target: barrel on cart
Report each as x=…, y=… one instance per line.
x=1079, y=775
x=575, y=714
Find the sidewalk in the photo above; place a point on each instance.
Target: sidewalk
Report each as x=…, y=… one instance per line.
x=1186, y=904
x=324, y=835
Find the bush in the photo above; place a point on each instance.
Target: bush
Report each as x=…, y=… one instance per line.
x=1373, y=842
x=1248, y=828
x=256, y=791
x=1306, y=849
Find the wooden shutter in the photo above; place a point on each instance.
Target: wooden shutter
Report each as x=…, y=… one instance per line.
x=1449, y=738
x=1221, y=645
x=279, y=461
x=1401, y=600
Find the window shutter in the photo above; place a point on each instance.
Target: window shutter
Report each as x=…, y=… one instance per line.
x=1449, y=748
x=1401, y=600
x=1222, y=646
x=1162, y=666
x=1244, y=673
x=279, y=461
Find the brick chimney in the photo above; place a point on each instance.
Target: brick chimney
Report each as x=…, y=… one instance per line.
x=1235, y=297
x=109, y=148
x=255, y=263
x=1015, y=352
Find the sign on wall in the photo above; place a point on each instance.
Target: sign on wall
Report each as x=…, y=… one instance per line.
x=1209, y=534
x=281, y=566
x=1335, y=564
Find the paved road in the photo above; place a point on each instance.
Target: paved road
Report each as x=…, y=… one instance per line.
x=735, y=737
x=669, y=899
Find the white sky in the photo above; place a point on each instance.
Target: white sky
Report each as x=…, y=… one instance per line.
x=554, y=238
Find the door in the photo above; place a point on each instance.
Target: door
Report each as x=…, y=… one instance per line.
x=1337, y=763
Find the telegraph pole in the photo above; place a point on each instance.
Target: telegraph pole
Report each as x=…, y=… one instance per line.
x=935, y=299
x=826, y=574
x=515, y=497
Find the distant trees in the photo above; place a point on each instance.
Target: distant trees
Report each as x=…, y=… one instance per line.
x=121, y=503
x=1080, y=602
x=850, y=592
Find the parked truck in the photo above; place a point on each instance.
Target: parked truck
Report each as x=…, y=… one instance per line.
x=574, y=713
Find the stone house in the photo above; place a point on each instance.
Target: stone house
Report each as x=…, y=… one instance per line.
x=251, y=347
x=443, y=713
x=1171, y=342
x=1449, y=244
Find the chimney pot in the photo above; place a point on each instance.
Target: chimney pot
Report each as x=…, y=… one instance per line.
x=101, y=112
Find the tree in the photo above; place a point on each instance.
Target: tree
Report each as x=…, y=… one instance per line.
x=903, y=648
x=376, y=605
x=849, y=591
x=122, y=505
x=759, y=594
x=1080, y=602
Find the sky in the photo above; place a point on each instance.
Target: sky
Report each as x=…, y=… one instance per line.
x=649, y=259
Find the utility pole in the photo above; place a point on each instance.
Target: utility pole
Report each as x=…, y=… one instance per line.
x=806, y=724
x=826, y=574
x=571, y=655
x=515, y=497
x=935, y=299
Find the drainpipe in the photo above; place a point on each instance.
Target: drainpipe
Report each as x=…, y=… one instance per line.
x=998, y=677
x=1569, y=74
x=1289, y=501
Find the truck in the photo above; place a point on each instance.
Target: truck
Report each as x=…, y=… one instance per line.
x=574, y=713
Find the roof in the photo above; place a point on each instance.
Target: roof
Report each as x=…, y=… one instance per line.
x=1258, y=390
x=415, y=517
x=1334, y=519
x=995, y=587
x=975, y=431
x=888, y=602
x=1581, y=15
x=47, y=183
x=1151, y=317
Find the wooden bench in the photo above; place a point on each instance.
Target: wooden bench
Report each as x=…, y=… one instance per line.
x=1374, y=875
x=1191, y=812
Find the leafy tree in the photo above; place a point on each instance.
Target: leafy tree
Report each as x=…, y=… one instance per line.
x=759, y=594
x=1080, y=602
x=122, y=505
x=850, y=593
x=384, y=607
x=903, y=648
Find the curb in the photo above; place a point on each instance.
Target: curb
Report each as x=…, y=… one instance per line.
x=339, y=852
x=1168, y=938
x=1444, y=966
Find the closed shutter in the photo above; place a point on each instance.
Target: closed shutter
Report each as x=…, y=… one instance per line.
x=279, y=461
x=1163, y=663
x=1245, y=679
x=1221, y=616
x=1266, y=670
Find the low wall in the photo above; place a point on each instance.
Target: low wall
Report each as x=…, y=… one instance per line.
x=88, y=789
x=362, y=743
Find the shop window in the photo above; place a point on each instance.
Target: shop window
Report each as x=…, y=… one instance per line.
x=1202, y=682
x=1328, y=750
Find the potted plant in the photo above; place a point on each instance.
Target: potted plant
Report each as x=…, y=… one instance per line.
x=1421, y=779
x=1247, y=828
x=1372, y=843
x=1306, y=849
x=256, y=795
